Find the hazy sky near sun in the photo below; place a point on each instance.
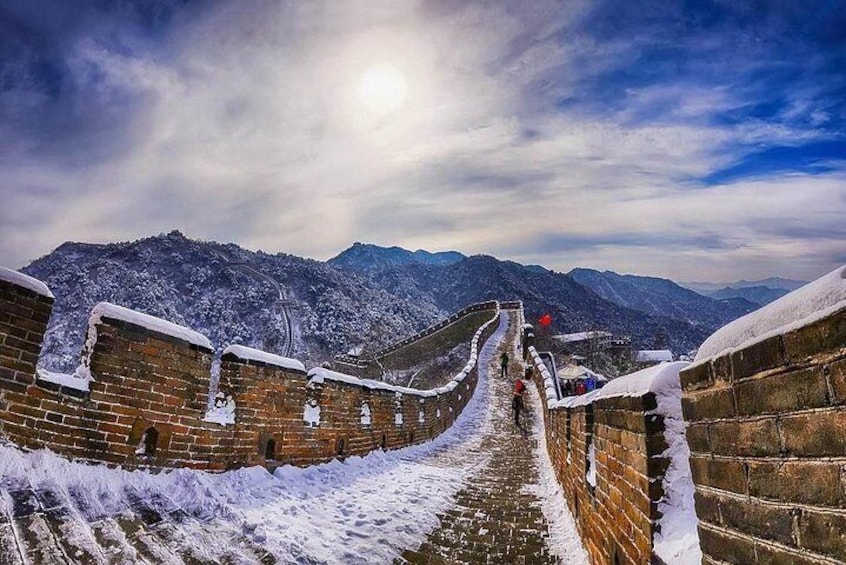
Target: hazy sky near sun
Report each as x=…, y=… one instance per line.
x=697, y=140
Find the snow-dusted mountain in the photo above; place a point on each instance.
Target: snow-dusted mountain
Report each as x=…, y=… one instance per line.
x=199, y=284
x=367, y=257
x=572, y=306
x=232, y=294
x=663, y=297
x=708, y=288
x=758, y=294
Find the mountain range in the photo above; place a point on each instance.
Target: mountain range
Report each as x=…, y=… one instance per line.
x=367, y=294
x=759, y=292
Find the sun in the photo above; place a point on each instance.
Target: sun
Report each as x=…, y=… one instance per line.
x=382, y=89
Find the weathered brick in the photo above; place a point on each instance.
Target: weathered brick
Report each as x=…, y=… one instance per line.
x=726, y=547
x=824, y=336
x=817, y=434
x=837, y=376
x=723, y=474
x=710, y=404
x=708, y=506
x=758, y=357
x=797, y=482
x=759, y=520
x=696, y=376
x=749, y=438
x=784, y=392
x=824, y=532
x=698, y=438
x=771, y=555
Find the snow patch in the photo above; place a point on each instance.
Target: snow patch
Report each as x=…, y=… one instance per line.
x=63, y=379
x=115, y=312
x=250, y=354
x=311, y=413
x=365, y=414
x=590, y=474
x=655, y=379
x=564, y=540
x=677, y=540
x=223, y=411
x=806, y=305
x=25, y=281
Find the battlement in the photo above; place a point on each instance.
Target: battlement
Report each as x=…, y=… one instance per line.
x=765, y=403
x=140, y=395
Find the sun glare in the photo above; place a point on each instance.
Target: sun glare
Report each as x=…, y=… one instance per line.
x=382, y=89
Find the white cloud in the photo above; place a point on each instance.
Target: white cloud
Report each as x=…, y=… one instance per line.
x=251, y=130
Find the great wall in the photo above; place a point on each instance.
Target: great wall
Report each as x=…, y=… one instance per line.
x=151, y=380
x=764, y=420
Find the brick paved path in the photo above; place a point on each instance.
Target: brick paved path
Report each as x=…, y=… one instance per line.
x=495, y=519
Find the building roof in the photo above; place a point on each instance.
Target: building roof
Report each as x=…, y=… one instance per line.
x=653, y=355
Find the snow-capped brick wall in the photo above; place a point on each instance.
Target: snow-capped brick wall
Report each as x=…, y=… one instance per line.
x=767, y=433
x=617, y=518
x=146, y=387
x=489, y=306
x=24, y=314
x=437, y=342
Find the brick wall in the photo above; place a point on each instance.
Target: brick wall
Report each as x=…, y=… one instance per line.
x=767, y=434
x=617, y=517
x=435, y=343
x=146, y=406
x=429, y=343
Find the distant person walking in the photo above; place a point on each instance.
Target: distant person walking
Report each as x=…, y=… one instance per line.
x=517, y=400
x=503, y=365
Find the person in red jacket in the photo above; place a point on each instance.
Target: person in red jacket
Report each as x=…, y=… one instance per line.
x=517, y=400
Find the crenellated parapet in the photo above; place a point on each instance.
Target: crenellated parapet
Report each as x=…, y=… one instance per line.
x=610, y=450
x=140, y=396
x=765, y=402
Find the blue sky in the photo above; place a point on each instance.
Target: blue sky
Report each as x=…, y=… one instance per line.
x=694, y=140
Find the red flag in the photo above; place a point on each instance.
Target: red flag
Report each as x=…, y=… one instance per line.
x=545, y=320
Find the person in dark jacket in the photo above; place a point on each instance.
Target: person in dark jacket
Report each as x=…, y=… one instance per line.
x=503, y=365
x=517, y=400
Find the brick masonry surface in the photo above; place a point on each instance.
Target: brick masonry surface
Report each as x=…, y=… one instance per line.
x=617, y=517
x=147, y=402
x=767, y=434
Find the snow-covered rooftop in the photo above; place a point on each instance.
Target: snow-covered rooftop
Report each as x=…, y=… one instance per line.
x=803, y=306
x=115, y=312
x=578, y=372
x=581, y=336
x=655, y=379
x=25, y=281
x=653, y=355
x=250, y=354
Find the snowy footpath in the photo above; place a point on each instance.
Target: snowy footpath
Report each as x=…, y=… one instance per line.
x=511, y=509
x=363, y=510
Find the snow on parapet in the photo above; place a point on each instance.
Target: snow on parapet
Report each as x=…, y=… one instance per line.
x=115, y=312
x=25, y=281
x=806, y=305
x=250, y=354
x=656, y=379
x=546, y=376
